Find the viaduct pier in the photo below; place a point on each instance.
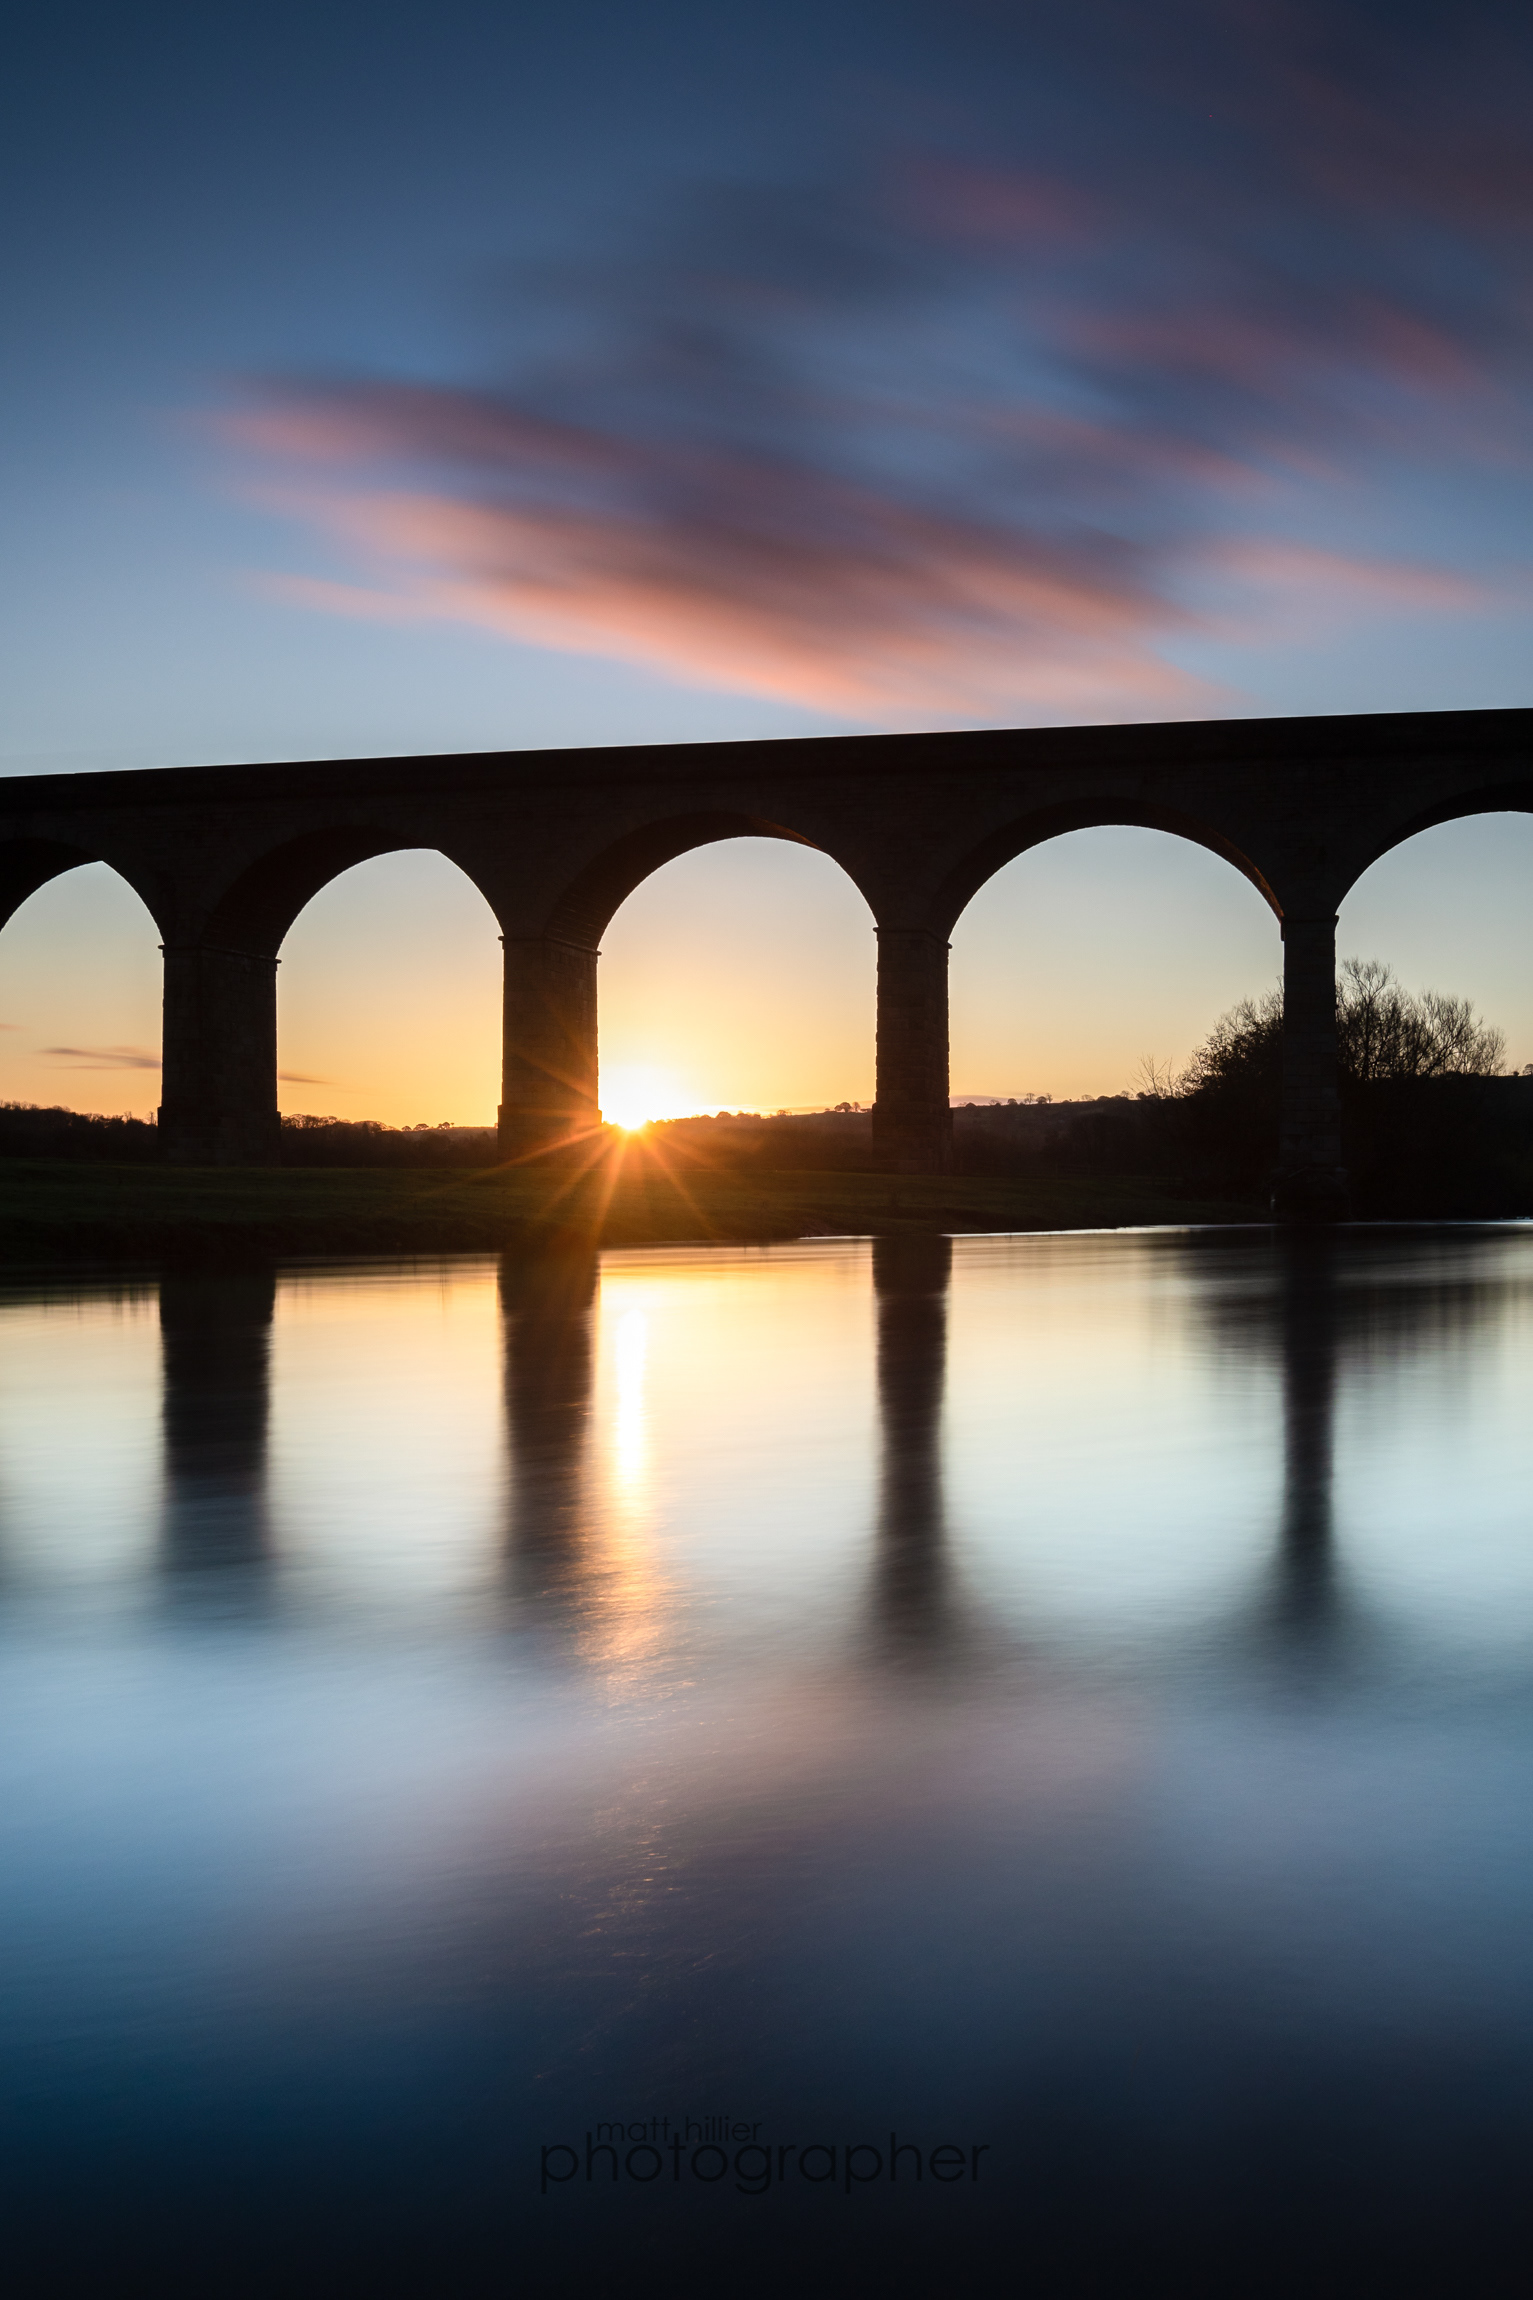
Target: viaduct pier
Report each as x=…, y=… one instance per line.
x=226, y=857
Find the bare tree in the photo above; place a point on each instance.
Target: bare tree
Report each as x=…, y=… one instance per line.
x=1155, y=1081
x=1382, y=1032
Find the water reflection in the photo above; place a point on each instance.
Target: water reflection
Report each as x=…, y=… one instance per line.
x=1305, y=1589
x=911, y=1598
x=324, y=1932
x=546, y=1305
x=215, y=1341
x=1352, y=1322
x=1286, y=1302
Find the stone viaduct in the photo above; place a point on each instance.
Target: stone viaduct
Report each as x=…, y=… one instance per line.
x=226, y=857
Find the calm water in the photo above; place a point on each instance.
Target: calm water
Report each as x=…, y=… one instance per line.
x=1070, y=1698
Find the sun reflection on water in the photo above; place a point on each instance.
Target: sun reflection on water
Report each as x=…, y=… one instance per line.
x=630, y=1428
x=626, y=1593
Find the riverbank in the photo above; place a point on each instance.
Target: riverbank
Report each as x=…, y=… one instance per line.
x=57, y=1212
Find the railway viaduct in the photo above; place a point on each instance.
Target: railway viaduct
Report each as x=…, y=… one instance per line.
x=226, y=857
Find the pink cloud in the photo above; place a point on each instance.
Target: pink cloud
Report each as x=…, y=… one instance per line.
x=1009, y=206
x=354, y=600
x=1124, y=452
x=716, y=569
x=363, y=422
x=1420, y=158
x=1294, y=590
x=1374, y=582
x=859, y=606
x=972, y=451
x=1264, y=351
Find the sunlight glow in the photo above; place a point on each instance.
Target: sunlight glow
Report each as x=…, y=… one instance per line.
x=628, y=1448
x=632, y=1094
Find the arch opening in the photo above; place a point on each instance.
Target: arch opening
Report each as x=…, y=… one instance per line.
x=737, y=975
x=27, y=864
x=258, y=911
x=1097, y=950
x=1514, y=797
x=1438, y=906
x=80, y=985
x=1012, y=841
x=389, y=997
x=587, y=907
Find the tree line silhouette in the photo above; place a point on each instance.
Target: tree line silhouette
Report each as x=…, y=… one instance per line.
x=1433, y=1126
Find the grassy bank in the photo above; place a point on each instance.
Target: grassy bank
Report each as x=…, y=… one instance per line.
x=51, y=1212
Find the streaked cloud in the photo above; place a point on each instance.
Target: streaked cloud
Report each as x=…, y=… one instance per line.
x=1273, y=590
x=103, y=1057
x=1145, y=351
x=835, y=596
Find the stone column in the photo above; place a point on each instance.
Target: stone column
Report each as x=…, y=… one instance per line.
x=548, y=1072
x=218, y=1103
x=912, y=1122
x=1310, y=1184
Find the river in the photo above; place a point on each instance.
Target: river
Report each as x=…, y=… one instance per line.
x=553, y=1771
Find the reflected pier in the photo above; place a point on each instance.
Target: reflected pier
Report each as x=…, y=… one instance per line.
x=547, y=1297
x=911, y=1597
x=215, y=1339
x=1306, y=1582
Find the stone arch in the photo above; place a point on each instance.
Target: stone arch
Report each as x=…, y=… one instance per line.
x=1444, y=907
x=389, y=993
x=1092, y=950
x=550, y=1074
x=220, y=1102
x=1511, y=797
x=585, y=909
x=27, y=864
x=83, y=962
x=743, y=972
x=1003, y=845
x=256, y=912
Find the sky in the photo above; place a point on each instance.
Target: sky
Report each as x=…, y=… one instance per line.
x=389, y=379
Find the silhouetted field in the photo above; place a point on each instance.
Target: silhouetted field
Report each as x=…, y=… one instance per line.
x=52, y=1210
x=27, y=1130
x=1417, y=1149
x=73, y=1187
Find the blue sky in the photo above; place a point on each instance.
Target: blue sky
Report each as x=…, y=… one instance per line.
x=391, y=379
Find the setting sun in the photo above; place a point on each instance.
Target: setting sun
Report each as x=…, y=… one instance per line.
x=632, y=1094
